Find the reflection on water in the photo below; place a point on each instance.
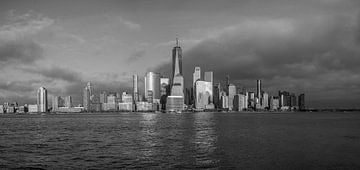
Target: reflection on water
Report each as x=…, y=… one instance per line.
x=205, y=139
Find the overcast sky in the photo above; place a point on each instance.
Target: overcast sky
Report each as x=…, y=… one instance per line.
x=307, y=46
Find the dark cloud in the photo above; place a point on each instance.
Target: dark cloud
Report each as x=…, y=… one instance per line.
x=19, y=51
x=136, y=55
x=301, y=55
x=55, y=72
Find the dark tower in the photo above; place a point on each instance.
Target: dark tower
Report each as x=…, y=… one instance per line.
x=176, y=60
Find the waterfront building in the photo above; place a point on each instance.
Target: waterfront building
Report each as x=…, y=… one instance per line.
x=57, y=102
x=293, y=102
x=42, y=99
x=246, y=102
x=68, y=101
x=265, y=100
x=126, y=98
x=135, y=88
x=209, y=77
x=196, y=75
x=86, y=97
x=285, y=99
x=152, y=86
x=227, y=79
x=126, y=107
x=258, y=89
x=203, y=91
x=231, y=92
x=239, y=102
x=224, y=102
x=33, y=108
x=175, y=103
x=216, y=95
x=301, y=102
x=164, y=86
x=103, y=97
x=2, y=110
x=274, y=103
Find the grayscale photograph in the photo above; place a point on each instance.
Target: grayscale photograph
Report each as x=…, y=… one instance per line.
x=180, y=84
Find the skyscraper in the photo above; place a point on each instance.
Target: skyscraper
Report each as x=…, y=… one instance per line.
x=86, y=97
x=301, y=100
x=135, y=88
x=42, y=99
x=103, y=97
x=203, y=90
x=216, y=95
x=196, y=75
x=258, y=89
x=152, y=86
x=176, y=60
x=209, y=77
x=68, y=102
x=231, y=92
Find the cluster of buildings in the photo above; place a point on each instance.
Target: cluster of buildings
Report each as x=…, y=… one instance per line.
x=169, y=94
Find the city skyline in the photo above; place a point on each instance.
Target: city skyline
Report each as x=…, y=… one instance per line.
x=45, y=44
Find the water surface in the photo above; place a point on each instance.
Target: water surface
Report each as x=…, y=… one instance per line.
x=188, y=140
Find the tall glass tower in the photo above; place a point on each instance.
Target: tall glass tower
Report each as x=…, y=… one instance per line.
x=42, y=99
x=176, y=60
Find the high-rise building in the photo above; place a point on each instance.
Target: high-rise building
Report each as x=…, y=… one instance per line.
x=239, y=102
x=56, y=103
x=86, y=97
x=68, y=102
x=209, y=77
x=231, y=92
x=135, y=88
x=293, y=102
x=258, y=89
x=301, y=102
x=152, y=86
x=216, y=95
x=274, y=103
x=176, y=60
x=164, y=86
x=265, y=101
x=227, y=84
x=203, y=90
x=178, y=86
x=42, y=99
x=103, y=97
x=285, y=99
x=196, y=75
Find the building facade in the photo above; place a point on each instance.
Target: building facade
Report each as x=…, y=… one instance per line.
x=42, y=101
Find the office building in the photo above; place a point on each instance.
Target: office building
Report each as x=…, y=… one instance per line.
x=285, y=99
x=86, y=97
x=209, y=77
x=164, y=86
x=42, y=99
x=203, y=91
x=135, y=88
x=258, y=89
x=196, y=75
x=103, y=97
x=265, y=101
x=301, y=102
x=274, y=103
x=216, y=95
x=231, y=92
x=152, y=86
x=176, y=60
x=239, y=102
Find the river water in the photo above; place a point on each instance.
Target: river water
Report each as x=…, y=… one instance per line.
x=178, y=141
